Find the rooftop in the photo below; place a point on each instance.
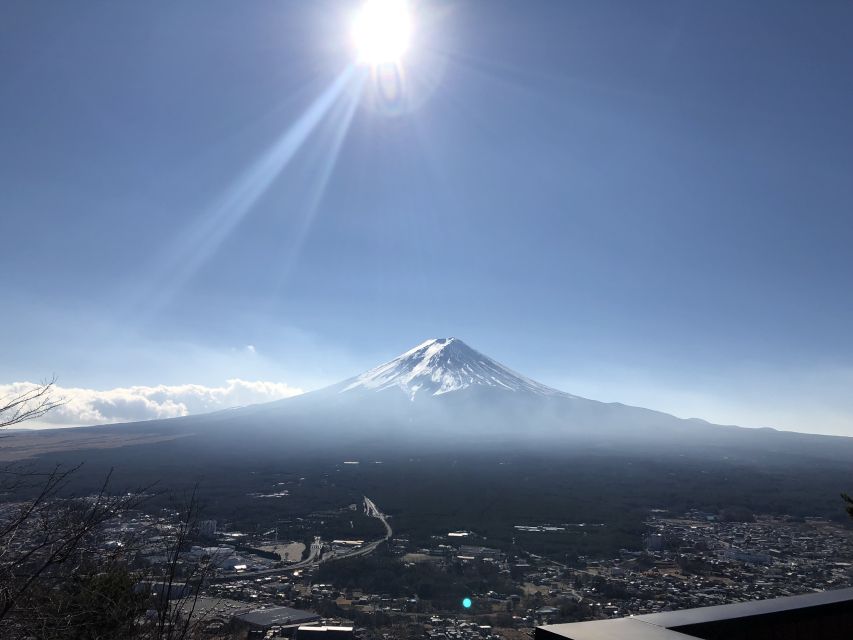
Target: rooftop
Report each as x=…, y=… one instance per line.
x=827, y=615
x=277, y=616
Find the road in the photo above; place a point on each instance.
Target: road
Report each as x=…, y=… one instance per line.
x=315, y=554
x=373, y=511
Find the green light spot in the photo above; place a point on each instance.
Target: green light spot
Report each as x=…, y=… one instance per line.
x=466, y=602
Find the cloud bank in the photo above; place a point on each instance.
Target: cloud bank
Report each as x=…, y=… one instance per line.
x=130, y=404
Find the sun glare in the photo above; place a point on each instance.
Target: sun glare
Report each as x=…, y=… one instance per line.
x=381, y=31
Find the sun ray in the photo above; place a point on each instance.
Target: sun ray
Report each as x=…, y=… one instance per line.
x=191, y=251
x=340, y=120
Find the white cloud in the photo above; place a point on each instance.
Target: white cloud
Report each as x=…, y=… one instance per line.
x=129, y=404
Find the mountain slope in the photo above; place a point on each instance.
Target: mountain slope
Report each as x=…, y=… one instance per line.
x=442, y=395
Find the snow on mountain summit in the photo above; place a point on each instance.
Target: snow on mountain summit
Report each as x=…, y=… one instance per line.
x=440, y=366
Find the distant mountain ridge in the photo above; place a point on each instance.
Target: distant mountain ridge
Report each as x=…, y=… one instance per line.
x=444, y=396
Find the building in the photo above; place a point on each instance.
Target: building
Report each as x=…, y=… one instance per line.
x=287, y=619
x=324, y=633
x=470, y=552
x=827, y=615
x=748, y=557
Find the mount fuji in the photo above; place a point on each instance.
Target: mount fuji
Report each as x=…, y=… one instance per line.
x=443, y=395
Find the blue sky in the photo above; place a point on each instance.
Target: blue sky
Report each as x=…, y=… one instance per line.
x=645, y=202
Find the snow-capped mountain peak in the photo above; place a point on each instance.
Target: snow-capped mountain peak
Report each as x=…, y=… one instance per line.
x=443, y=365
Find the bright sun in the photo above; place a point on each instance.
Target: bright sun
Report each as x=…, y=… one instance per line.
x=381, y=31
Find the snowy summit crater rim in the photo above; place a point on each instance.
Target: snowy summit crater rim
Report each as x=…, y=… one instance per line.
x=443, y=365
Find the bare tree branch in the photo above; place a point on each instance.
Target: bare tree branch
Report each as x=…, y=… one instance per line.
x=56, y=578
x=29, y=405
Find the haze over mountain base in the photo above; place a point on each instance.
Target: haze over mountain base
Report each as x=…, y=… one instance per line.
x=443, y=396
x=443, y=423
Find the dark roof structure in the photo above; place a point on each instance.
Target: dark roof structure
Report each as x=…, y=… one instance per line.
x=276, y=616
x=827, y=615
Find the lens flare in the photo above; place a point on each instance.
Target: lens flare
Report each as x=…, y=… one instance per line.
x=382, y=31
